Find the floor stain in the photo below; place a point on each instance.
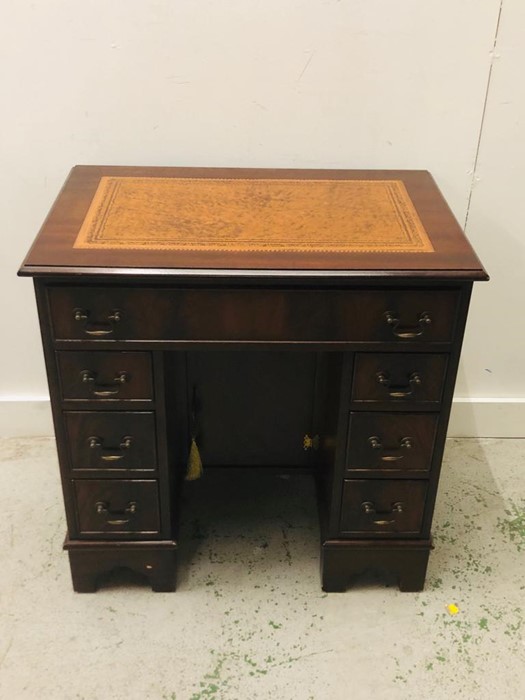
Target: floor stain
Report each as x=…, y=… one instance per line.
x=513, y=526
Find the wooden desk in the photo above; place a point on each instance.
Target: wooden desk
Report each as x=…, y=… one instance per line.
x=291, y=319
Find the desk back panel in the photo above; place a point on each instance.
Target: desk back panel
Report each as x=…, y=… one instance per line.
x=253, y=409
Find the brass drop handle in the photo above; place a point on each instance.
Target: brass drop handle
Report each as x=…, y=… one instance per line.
x=369, y=508
x=102, y=508
x=404, y=444
x=399, y=392
x=407, y=332
x=101, y=328
x=110, y=454
x=104, y=390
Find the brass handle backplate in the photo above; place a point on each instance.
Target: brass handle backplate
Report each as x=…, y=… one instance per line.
x=102, y=508
x=98, y=328
x=104, y=390
x=399, y=392
x=404, y=444
x=407, y=332
x=369, y=508
x=110, y=454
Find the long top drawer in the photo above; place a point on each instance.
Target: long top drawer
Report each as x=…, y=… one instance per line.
x=124, y=313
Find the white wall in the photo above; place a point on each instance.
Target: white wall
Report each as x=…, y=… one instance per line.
x=493, y=366
x=278, y=83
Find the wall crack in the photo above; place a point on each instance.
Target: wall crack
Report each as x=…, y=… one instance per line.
x=494, y=56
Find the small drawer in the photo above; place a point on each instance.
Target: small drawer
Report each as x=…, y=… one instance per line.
x=111, y=441
x=391, y=441
x=399, y=378
x=106, y=376
x=382, y=506
x=117, y=507
x=348, y=315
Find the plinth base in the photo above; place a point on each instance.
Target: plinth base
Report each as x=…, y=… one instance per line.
x=343, y=560
x=91, y=560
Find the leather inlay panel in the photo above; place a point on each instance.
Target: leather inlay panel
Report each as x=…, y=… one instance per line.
x=264, y=215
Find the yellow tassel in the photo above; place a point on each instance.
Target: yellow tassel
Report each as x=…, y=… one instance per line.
x=194, y=470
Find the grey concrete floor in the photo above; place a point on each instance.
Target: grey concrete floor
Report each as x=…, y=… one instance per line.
x=249, y=619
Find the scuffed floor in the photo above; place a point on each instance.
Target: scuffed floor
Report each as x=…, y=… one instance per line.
x=249, y=619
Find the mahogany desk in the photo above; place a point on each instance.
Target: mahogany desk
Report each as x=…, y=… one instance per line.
x=287, y=318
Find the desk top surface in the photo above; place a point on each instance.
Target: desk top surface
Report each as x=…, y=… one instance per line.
x=181, y=221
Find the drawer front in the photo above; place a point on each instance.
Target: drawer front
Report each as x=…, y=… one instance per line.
x=117, y=508
x=111, y=440
x=399, y=378
x=103, y=376
x=404, y=316
x=390, y=441
x=385, y=506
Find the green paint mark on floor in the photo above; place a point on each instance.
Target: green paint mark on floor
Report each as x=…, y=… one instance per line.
x=513, y=527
